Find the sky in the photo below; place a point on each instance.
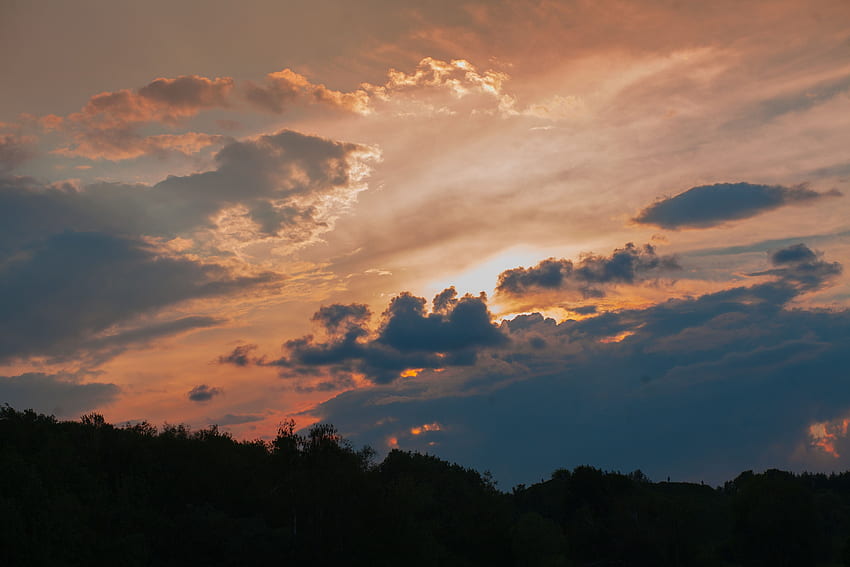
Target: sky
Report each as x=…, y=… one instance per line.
x=519, y=235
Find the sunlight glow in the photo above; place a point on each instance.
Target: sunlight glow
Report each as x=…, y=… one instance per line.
x=824, y=435
x=425, y=428
x=485, y=275
x=617, y=338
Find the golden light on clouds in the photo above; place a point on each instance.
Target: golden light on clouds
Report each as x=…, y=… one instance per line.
x=619, y=337
x=825, y=435
x=425, y=428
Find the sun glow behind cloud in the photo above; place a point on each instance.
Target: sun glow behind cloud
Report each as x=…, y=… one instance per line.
x=482, y=276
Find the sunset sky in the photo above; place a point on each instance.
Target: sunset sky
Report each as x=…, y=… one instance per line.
x=519, y=235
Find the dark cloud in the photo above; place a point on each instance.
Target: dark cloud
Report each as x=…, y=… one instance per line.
x=342, y=318
x=203, y=393
x=75, y=262
x=590, y=274
x=60, y=395
x=584, y=309
x=464, y=324
x=695, y=388
x=408, y=338
x=710, y=205
x=236, y=419
x=796, y=254
x=445, y=301
x=799, y=265
x=240, y=356
x=282, y=181
x=59, y=294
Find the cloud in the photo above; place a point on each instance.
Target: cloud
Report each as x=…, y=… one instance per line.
x=340, y=319
x=710, y=205
x=413, y=93
x=236, y=419
x=285, y=185
x=795, y=255
x=454, y=324
x=287, y=87
x=799, y=265
x=458, y=75
x=408, y=339
x=590, y=274
x=112, y=125
x=168, y=100
x=79, y=265
x=107, y=127
x=108, y=345
x=458, y=78
x=55, y=394
x=127, y=144
x=694, y=388
x=163, y=100
x=203, y=393
x=121, y=125
x=798, y=100
x=61, y=294
x=240, y=356
x=15, y=149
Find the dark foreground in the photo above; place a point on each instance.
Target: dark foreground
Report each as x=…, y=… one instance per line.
x=88, y=493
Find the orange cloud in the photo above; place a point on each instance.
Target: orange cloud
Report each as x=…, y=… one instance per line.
x=825, y=435
x=458, y=77
x=287, y=86
x=163, y=100
x=616, y=338
x=424, y=428
x=123, y=144
x=107, y=126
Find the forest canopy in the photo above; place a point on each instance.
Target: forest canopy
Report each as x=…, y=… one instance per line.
x=91, y=493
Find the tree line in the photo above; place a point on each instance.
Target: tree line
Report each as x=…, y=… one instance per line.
x=90, y=493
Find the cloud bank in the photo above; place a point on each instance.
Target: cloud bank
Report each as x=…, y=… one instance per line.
x=79, y=264
x=694, y=388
